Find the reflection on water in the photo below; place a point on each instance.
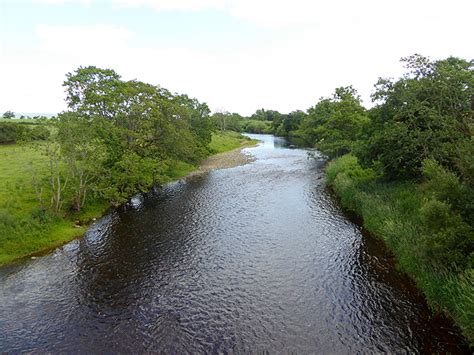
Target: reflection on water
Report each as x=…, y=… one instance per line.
x=251, y=258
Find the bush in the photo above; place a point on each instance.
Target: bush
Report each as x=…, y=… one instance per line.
x=9, y=132
x=131, y=175
x=255, y=126
x=447, y=241
x=349, y=165
x=13, y=132
x=445, y=186
x=38, y=133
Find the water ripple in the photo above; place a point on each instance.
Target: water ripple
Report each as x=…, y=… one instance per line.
x=256, y=258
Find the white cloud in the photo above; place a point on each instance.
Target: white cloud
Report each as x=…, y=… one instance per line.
x=173, y=5
x=34, y=76
x=75, y=39
x=325, y=46
x=62, y=2
x=284, y=13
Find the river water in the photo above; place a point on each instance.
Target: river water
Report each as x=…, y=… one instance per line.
x=254, y=258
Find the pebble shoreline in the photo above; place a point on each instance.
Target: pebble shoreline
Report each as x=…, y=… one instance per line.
x=224, y=160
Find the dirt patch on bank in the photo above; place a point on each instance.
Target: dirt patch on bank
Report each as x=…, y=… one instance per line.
x=224, y=160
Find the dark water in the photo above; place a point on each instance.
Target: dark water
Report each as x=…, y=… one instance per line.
x=253, y=258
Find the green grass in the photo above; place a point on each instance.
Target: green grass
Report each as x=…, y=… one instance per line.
x=228, y=140
x=392, y=211
x=180, y=169
x=25, y=229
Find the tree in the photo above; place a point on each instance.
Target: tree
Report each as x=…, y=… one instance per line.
x=8, y=115
x=335, y=124
x=220, y=118
x=90, y=90
x=285, y=124
x=10, y=132
x=134, y=134
x=224, y=120
x=265, y=115
x=425, y=114
x=82, y=154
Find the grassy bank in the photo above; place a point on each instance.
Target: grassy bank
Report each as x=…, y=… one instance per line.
x=397, y=213
x=26, y=229
x=228, y=140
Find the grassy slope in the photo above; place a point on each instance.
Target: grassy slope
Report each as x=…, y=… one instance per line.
x=229, y=140
x=24, y=230
x=392, y=212
x=20, y=232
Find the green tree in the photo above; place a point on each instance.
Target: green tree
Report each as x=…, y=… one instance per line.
x=425, y=114
x=265, y=115
x=335, y=124
x=140, y=130
x=8, y=114
x=82, y=154
x=92, y=91
x=285, y=124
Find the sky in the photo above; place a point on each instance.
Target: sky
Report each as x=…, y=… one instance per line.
x=235, y=55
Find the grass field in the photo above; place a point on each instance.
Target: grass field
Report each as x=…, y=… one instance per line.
x=25, y=229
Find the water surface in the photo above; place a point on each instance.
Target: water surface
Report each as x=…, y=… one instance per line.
x=252, y=258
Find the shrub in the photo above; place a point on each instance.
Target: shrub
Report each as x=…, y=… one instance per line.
x=349, y=165
x=445, y=186
x=447, y=241
x=9, y=132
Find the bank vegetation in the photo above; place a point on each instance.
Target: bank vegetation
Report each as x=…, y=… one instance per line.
x=118, y=138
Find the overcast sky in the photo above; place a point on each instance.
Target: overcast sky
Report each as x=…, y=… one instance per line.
x=237, y=55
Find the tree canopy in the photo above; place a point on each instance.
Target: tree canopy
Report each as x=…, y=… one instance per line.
x=121, y=137
x=8, y=114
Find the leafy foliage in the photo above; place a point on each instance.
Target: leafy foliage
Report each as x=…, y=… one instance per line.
x=283, y=125
x=334, y=124
x=121, y=137
x=12, y=132
x=256, y=126
x=8, y=115
x=411, y=172
x=9, y=132
x=425, y=114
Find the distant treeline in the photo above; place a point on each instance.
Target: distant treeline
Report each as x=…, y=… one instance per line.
x=262, y=121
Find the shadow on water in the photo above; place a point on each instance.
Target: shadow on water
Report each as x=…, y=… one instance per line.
x=442, y=336
x=253, y=258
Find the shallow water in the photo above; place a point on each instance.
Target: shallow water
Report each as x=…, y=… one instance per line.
x=252, y=258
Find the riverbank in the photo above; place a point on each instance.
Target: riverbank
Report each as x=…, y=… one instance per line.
x=25, y=230
x=225, y=160
x=396, y=213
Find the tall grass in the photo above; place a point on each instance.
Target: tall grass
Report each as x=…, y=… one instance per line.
x=394, y=212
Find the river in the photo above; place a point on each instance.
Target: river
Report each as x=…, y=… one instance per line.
x=253, y=258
